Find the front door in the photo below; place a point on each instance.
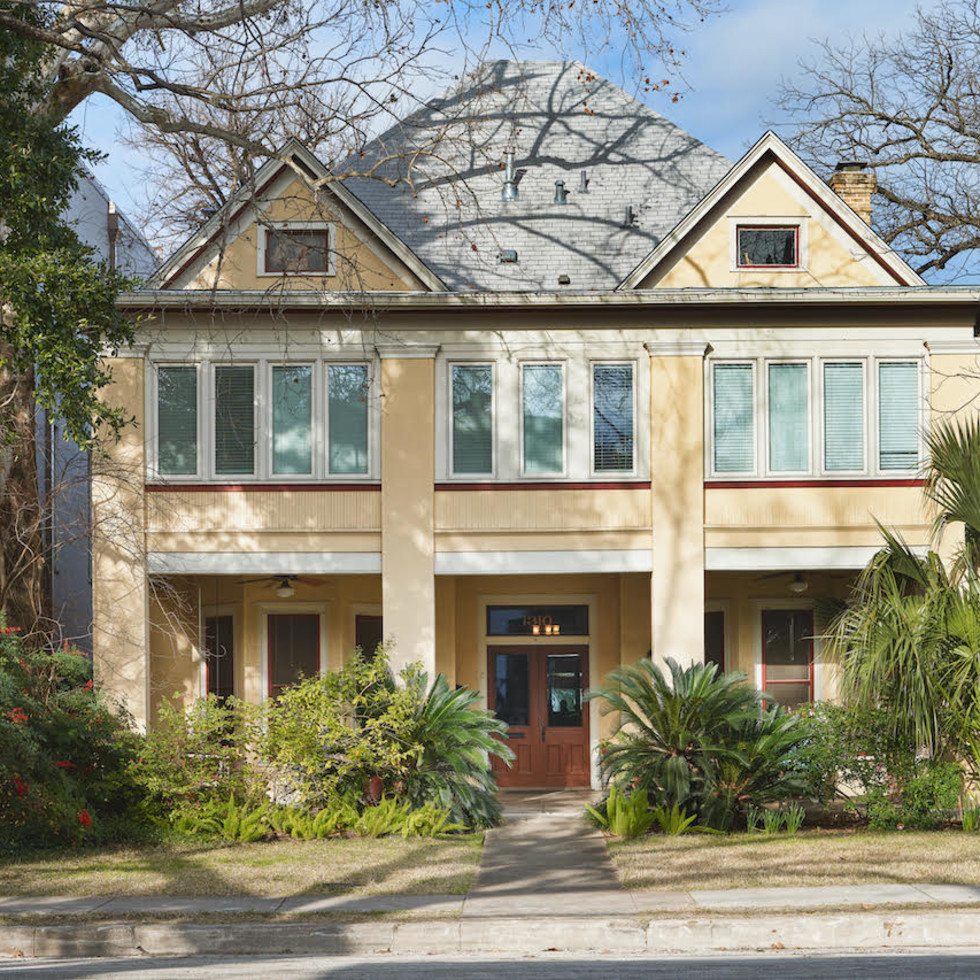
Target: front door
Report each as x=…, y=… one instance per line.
x=538, y=693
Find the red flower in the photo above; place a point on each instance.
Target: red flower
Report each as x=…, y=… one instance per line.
x=84, y=819
x=20, y=787
x=9, y=629
x=65, y=764
x=89, y=685
x=17, y=716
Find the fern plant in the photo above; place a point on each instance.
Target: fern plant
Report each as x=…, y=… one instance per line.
x=675, y=821
x=623, y=815
x=388, y=817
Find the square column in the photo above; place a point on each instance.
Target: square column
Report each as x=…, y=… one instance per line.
x=677, y=499
x=120, y=614
x=408, y=503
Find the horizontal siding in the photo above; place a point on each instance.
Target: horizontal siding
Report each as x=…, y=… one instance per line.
x=280, y=510
x=558, y=510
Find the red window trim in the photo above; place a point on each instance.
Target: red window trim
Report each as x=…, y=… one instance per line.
x=810, y=680
x=796, y=246
x=789, y=484
x=270, y=233
x=274, y=689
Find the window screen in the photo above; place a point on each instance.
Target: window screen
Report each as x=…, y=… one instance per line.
x=734, y=419
x=612, y=407
x=292, y=451
x=296, y=251
x=234, y=420
x=789, y=429
x=347, y=391
x=472, y=418
x=543, y=422
x=898, y=415
x=177, y=421
x=767, y=247
x=294, y=649
x=843, y=417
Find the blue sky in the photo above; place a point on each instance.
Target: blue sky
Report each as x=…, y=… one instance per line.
x=733, y=68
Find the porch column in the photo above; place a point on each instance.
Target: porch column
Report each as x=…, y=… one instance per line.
x=120, y=622
x=408, y=502
x=677, y=499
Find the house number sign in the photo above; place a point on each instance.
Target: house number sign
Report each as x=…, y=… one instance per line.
x=537, y=620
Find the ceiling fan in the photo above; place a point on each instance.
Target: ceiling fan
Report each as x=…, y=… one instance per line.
x=798, y=585
x=285, y=587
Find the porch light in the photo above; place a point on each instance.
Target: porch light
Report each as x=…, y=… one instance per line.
x=535, y=629
x=799, y=585
x=285, y=590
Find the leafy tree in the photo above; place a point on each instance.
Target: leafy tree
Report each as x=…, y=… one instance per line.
x=907, y=105
x=57, y=309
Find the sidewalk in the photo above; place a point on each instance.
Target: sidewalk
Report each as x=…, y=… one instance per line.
x=545, y=882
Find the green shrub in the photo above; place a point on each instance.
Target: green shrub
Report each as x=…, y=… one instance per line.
x=922, y=801
x=970, y=819
x=673, y=822
x=228, y=819
x=623, y=815
x=64, y=754
x=195, y=753
x=793, y=817
x=699, y=740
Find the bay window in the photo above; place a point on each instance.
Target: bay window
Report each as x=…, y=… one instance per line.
x=177, y=420
x=472, y=418
x=234, y=420
x=292, y=419
x=347, y=418
x=543, y=414
x=612, y=418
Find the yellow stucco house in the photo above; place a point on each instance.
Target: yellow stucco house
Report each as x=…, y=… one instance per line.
x=566, y=390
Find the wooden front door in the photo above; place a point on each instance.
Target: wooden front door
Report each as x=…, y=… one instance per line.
x=538, y=692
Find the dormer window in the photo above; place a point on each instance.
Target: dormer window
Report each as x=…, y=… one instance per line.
x=294, y=251
x=767, y=246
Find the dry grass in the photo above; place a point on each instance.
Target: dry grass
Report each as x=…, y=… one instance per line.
x=815, y=857
x=354, y=866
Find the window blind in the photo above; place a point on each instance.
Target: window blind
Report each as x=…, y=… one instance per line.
x=843, y=417
x=292, y=449
x=177, y=421
x=542, y=409
x=612, y=408
x=347, y=389
x=789, y=443
x=898, y=415
x=733, y=424
x=472, y=418
x=234, y=419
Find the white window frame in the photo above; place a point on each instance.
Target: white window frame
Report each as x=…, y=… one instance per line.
x=807, y=362
x=268, y=447
x=758, y=405
x=869, y=423
x=325, y=415
x=264, y=228
x=607, y=362
x=152, y=427
x=549, y=362
x=472, y=477
x=257, y=415
x=797, y=221
x=761, y=464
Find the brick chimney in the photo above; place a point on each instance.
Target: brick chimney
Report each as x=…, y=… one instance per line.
x=854, y=184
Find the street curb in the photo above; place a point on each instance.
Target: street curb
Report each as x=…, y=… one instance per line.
x=619, y=934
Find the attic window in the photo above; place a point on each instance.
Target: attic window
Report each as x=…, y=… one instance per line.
x=767, y=247
x=297, y=251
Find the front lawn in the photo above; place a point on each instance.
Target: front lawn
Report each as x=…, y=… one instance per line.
x=341, y=866
x=814, y=857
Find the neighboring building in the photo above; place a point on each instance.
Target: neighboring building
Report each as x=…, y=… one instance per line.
x=657, y=407
x=64, y=471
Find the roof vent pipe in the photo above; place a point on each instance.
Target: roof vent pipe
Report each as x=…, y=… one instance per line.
x=583, y=182
x=561, y=195
x=628, y=216
x=509, y=192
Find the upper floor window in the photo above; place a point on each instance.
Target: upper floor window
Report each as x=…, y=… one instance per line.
x=264, y=419
x=807, y=416
x=767, y=246
x=543, y=412
x=472, y=418
x=290, y=250
x=613, y=418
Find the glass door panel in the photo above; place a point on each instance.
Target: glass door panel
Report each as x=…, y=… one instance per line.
x=512, y=691
x=787, y=655
x=564, y=690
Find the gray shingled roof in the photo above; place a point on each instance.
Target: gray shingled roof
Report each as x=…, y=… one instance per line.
x=561, y=119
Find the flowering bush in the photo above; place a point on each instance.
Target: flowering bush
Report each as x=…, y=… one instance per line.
x=64, y=755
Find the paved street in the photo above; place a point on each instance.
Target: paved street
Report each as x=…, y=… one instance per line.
x=949, y=963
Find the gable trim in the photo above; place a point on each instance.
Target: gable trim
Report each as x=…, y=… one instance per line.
x=307, y=165
x=770, y=146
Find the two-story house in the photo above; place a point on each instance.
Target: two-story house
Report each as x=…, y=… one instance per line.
x=570, y=391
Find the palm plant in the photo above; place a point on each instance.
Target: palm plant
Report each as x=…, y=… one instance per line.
x=697, y=739
x=452, y=742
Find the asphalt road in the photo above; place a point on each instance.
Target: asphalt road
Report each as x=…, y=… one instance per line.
x=893, y=966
